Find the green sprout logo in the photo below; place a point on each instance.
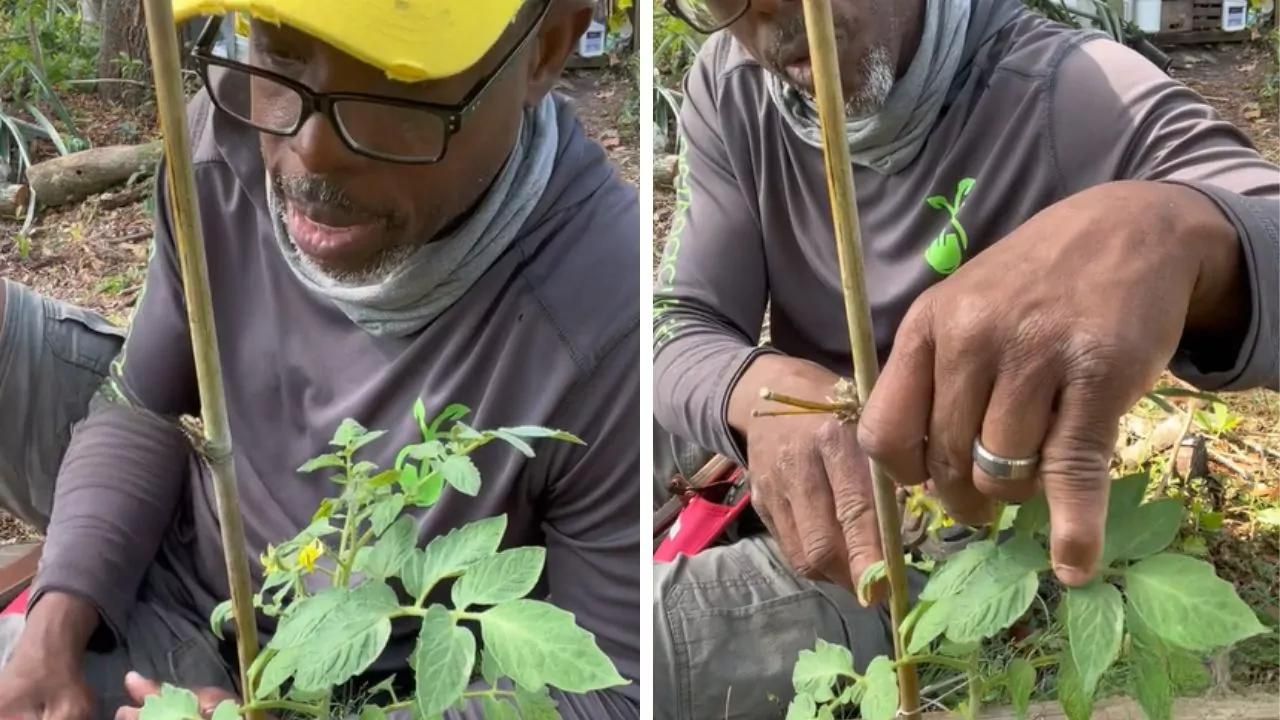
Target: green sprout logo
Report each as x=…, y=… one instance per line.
x=947, y=251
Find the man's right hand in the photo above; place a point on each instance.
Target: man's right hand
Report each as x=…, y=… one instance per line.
x=810, y=481
x=44, y=678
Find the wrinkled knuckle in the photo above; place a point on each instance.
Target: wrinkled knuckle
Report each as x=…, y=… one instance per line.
x=945, y=472
x=876, y=442
x=831, y=437
x=969, y=325
x=852, y=509
x=819, y=552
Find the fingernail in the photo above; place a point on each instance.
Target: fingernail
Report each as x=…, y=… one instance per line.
x=1071, y=575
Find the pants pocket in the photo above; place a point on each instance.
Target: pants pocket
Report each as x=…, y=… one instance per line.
x=81, y=337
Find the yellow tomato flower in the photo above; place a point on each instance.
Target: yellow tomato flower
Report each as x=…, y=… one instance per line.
x=309, y=555
x=269, y=563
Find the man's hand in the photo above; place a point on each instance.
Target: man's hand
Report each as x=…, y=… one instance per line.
x=140, y=688
x=809, y=481
x=1042, y=342
x=44, y=678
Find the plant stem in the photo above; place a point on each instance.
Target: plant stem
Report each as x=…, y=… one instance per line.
x=171, y=103
x=866, y=364
x=942, y=660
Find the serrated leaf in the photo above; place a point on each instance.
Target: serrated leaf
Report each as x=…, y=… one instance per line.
x=802, y=707
x=221, y=615
x=994, y=599
x=1020, y=678
x=302, y=620
x=460, y=472
x=515, y=442
x=171, y=703
x=429, y=450
x=873, y=575
x=955, y=572
x=816, y=671
x=1033, y=516
x=386, y=478
x=442, y=662
x=364, y=467
x=490, y=670
x=452, y=412
x=346, y=433
x=538, y=644
x=1187, y=605
x=1075, y=702
x=226, y=710
x=494, y=709
x=1150, y=681
x=385, y=513
x=366, y=438
x=354, y=635
x=1017, y=555
x=1095, y=627
x=278, y=668
x=387, y=556
x=851, y=695
x=322, y=462
x=536, y=705
x=535, y=433
x=1144, y=531
x=509, y=575
x=452, y=553
x=932, y=623
x=880, y=700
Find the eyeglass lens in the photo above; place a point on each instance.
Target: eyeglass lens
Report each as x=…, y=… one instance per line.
x=711, y=15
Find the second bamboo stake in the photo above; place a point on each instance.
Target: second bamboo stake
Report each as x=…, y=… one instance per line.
x=216, y=451
x=866, y=365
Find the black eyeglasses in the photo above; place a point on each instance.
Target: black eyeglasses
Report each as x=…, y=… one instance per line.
x=384, y=128
x=708, y=16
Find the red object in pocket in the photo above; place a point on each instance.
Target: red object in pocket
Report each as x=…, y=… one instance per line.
x=699, y=524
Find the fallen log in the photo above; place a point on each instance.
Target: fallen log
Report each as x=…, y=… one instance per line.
x=13, y=200
x=1254, y=707
x=76, y=176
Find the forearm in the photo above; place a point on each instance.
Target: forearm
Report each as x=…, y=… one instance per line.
x=59, y=627
x=117, y=491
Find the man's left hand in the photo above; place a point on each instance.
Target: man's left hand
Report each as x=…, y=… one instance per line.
x=1042, y=342
x=140, y=688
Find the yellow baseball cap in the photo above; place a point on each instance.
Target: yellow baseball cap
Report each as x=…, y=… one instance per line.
x=411, y=40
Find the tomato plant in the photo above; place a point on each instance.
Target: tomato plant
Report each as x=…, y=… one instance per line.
x=1158, y=608
x=361, y=541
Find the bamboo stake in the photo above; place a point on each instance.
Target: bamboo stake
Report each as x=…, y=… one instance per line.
x=216, y=444
x=866, y=366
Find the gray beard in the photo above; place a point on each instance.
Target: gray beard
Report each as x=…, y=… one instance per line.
x=384, y=265
x=875, y=83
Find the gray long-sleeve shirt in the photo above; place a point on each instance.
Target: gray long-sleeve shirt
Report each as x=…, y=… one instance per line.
x=547, y=336
x=1038, y=112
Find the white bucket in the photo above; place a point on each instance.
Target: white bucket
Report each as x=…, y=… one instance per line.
x=1146, y=14
x=592, y=42
x=1235, y=15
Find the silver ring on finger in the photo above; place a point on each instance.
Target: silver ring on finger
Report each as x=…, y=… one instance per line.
x=1003, y=468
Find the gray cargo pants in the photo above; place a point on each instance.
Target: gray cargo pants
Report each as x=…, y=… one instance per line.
x=729, y=623
x=53, y=357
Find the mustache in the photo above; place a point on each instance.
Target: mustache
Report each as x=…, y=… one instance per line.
x=788, y=40
x=317, y=191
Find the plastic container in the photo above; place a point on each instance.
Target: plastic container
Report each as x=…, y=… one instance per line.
x=1235, y=15
x=592, y=42
x=1146, y=15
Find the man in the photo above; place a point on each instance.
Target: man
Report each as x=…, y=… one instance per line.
x=1048, y=223
x=395, y=207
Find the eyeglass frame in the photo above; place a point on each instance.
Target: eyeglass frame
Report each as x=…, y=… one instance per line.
x=321, y=103
x=673, y=8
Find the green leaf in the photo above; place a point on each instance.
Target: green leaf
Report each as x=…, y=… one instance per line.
x=385, y=513
x=322, y=462
x=1019, y=554
x=348, y=432
x=881, y=699
x=1187, y=605
x=515, y=442
x=363, y=468
x=873, y=575
x=386, y=478
x=538, y=644
x=937, y=202
x=1150, y=682
x=1144, y=531
x=171, y=704
x=429, y=450
x=387, y=557
x=1021, y=680
x=278, y=668
x=536, y=705
x=951, y=578
x=816, y=671
x=1076, y=703
x=994, y=599
x=913, y=617
x=1126, y=494
x=305, y=617
x=931, y=624
x=372, y=712
x=354, y=635
x=852, y=694
x=429, y=491
x=536, y=433
x=1268, y=516
x=490, y=670
x=453, y=412
x=1032, y=516
x=460, y=472
x=221, y=614
x=1095, y=627
x=420, y=415
x=226, y=710
x=802, y=707
x=442, y=662
x=509, y=575
x=450, y=554
x=327, y=507
x=494, y=709
x=366, y=438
